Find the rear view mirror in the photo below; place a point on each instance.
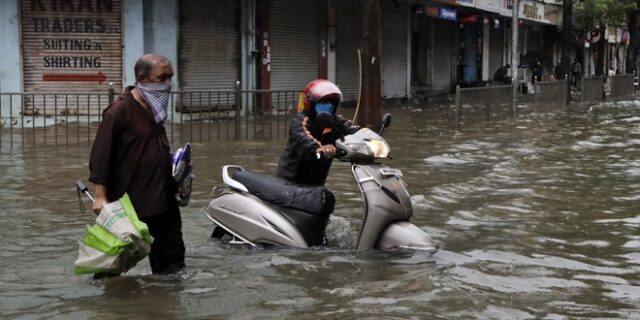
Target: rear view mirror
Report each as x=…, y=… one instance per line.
x=386, y=121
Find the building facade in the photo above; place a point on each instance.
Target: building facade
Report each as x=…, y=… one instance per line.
x=427, y=47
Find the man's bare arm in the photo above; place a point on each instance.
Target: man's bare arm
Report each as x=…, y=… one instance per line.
x=100, y=197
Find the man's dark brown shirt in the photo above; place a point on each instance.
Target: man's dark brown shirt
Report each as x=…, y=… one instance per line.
x=131, y=154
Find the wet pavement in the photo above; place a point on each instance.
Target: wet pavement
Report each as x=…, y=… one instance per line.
x=536, y=218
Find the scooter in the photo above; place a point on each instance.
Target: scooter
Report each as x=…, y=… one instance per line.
x=256, y=210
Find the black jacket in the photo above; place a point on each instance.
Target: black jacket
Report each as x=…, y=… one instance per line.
x=299, y=162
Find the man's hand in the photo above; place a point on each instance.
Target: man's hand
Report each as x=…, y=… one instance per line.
x=328, y=150
x=100, y=198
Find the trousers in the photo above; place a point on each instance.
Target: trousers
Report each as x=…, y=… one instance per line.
x=167, y=251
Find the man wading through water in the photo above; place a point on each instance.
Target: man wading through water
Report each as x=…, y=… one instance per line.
x=131, y=154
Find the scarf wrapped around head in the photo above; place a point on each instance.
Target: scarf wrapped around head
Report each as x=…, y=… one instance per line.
x=156, y=95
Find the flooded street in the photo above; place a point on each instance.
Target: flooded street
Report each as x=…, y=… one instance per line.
x=535, y=218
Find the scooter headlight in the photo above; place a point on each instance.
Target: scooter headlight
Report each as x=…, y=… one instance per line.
x=379, y=148
x=360, y=148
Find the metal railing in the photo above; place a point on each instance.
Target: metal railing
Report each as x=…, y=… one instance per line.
x=230, y=114
x=622, y=86
x=50, y=119
x=487, y=101
x=496, y=101
x=43, y=119
x=550, y=95
x=592, y=89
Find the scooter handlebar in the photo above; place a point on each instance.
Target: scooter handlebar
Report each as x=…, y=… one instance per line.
x=339, y=153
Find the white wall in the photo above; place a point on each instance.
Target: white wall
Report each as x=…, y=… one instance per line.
x=10, y=57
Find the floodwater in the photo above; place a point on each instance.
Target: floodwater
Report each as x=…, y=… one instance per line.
x=536, y=218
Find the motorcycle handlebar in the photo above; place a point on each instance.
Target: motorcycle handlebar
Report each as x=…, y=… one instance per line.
x=339, y=153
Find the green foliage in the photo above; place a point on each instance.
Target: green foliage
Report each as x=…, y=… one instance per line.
x=589, y=13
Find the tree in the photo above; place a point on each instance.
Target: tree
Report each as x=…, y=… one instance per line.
x=633, y=16
x=601, y=13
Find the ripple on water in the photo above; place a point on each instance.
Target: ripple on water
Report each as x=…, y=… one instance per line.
x=601, y=278
x=634, y=172
x=626, y=292
x=514, y=284
x=546, y=261
x=445, y=160
x=632, y=258
x=200, y=290
x=593, y=243
x=633, y=221
x=420, y=202
x=500, y=312
x=632, y=244
x=374, y=300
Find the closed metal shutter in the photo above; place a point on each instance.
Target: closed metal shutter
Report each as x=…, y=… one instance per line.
x=394, y=50
x=294, y=44
x=496, y=50
x=348, y=40
x=70, y=47
x=444, y=32
x=209, y=45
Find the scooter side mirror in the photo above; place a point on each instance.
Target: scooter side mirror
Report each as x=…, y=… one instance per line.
x=386, y=121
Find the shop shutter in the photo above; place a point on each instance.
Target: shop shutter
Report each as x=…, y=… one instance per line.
x=348, y=40
x=294, y=44
x=394, y=50
x=443, y=68
x=70, y=47
x=209, y=51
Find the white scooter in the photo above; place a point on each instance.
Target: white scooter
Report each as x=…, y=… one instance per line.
x=255, y=209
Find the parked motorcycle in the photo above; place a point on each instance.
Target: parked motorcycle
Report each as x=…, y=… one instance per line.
x=254, y=209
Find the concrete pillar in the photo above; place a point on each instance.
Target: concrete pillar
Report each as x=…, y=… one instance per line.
x=165, y=31
x=133, y=33
x=248, y=51
x=486, y=49
x=161, y=37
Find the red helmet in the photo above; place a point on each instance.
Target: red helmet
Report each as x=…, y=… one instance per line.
x=320, y=90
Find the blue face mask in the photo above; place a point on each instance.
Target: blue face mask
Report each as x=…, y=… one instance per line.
x=327, y=107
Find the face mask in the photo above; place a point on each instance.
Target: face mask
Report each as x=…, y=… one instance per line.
x=156, y=95
x=327, y=107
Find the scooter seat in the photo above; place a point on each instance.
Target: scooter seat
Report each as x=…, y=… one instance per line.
x=311, y=226
x=317, y=201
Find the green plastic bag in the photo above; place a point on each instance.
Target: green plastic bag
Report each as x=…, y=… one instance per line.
x=116, y=242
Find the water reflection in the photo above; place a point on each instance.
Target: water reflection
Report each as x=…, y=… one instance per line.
x=536, y=218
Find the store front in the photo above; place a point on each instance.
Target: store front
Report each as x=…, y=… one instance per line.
x=433, y=38
x=69, y=46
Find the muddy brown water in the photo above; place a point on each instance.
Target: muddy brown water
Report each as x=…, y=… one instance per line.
x=536, y=218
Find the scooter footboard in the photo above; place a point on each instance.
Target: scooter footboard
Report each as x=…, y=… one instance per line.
x=403, y=234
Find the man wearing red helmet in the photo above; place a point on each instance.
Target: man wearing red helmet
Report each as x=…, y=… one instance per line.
x=299, y=162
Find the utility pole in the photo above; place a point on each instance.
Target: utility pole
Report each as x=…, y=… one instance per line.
x=567, y=27
x=514, y=56
x=370, y=102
